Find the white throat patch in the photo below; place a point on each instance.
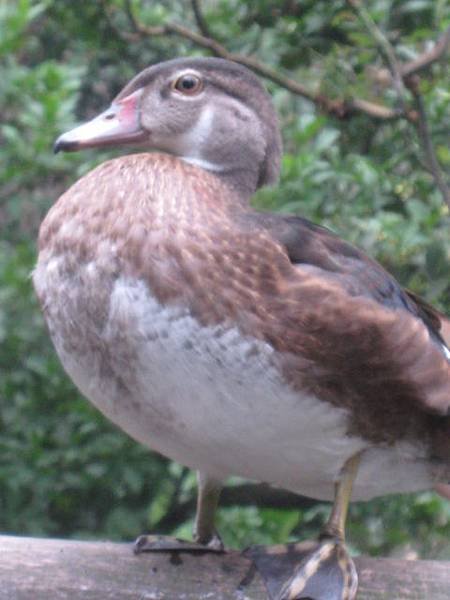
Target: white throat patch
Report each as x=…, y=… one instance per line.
x=204, y=164
x=192, y=144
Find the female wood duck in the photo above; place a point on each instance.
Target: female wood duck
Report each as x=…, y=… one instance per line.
x=233, y=341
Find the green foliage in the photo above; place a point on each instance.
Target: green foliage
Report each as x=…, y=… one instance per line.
x=64, y=470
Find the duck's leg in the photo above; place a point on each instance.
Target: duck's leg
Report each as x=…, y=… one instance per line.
x=327, y=572
x=205, y=537
x=207, y=501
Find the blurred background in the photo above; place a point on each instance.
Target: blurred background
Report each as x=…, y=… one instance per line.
x=363, y=155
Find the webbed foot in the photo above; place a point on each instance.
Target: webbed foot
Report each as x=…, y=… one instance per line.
x=311, y=570
x=321, y=570
x=163, y=543
x=206, y=539
x=327, y=572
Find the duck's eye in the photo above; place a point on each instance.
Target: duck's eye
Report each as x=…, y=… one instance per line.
x=188, y=84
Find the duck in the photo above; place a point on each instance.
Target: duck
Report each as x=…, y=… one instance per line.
x=231, y=340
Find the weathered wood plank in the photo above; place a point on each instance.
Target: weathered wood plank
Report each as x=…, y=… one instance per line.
x=44, y=569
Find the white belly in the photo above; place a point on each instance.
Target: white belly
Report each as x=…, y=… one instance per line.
x=213, y=400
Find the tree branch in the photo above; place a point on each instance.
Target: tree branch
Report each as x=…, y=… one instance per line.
x=199, y=19
x=340, y=108
x=423, y=132
x=401, y=82
x=385, y=48
x=45, y=569
x=246, y=494
x=420, y=63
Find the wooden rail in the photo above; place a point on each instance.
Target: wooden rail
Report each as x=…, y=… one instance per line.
x=48, y=569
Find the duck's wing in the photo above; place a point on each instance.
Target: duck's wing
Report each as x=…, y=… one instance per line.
x=432, y=316
x=384, y=328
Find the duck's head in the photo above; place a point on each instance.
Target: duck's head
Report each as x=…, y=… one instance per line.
x=210, y=112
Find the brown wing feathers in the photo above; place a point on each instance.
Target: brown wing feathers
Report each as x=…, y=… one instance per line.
x=372, y=334
x=310, y=244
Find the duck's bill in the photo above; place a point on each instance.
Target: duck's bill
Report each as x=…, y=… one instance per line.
x=118, y=125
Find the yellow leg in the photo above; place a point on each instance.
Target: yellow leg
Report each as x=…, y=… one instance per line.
x=205, y=537
x=207, y=500
x=335, y=526
x=327, y=572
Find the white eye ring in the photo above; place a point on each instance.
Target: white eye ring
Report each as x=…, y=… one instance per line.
x=188, y=84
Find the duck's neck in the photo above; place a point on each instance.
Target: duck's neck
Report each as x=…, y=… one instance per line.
x=238, y=176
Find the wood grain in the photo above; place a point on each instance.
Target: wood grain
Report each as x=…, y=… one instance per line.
x=48, y=569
